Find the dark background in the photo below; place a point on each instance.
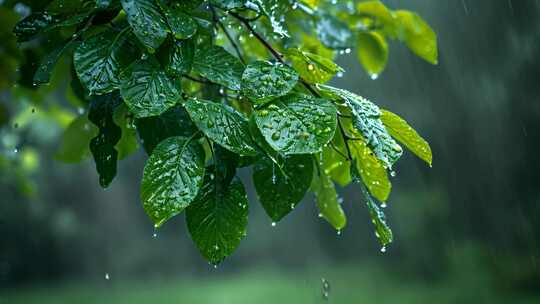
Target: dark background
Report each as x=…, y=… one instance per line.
x=466, y=230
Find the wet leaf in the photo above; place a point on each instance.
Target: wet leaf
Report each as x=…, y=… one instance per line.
x=405, y=134
x=327, y=201
x=217, y=219
x=297, y=123
x=147, y=90
x=333, y=32
x=173, y=122
x=102, y=146
x=418, y=36
x=147, y=22
x=181, y=24
x=172, y=177
x=279, y=193
x=100, y=58
x=219, y=66
x=181, y=57
x=312, y=68
x=366, y=117
x=372, y=52
x=222, y=124
x=382, y=230
x=46, y=67
x=264, y=81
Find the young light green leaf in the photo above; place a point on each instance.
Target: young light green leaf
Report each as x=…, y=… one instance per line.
x=311, y=67
x=217, y=219
x=405, y=134
x=219, y=66
x=222, y=124
x=40, y=22
x=99, y=59
x=382, y=230
x=102, y=146
x=147, y=90
x=372, y=52
x=172, y=177
x=275, y=10
x=278, y=193
x=418, y=36
x=297, y=123
x=173, y=122
x=334, y=161
x=263, y=81
x=371, y=171
x=366, y=117
x=327, y=201
x=383, y=17
x=147, y=22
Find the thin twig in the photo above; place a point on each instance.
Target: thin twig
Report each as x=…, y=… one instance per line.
x=228, y=35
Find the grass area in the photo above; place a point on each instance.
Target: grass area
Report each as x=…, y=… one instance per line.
x=353, y=284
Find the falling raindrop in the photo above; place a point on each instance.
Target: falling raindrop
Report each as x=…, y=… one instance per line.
x=107, y=276
x=325, y=289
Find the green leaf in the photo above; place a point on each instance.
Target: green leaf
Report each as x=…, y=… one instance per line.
x=405, y=134
x=222, y=124
x=279, y=193
x=312, y=68
x=181, y=24
x=382, y=230
x=40, y=22
x=372, y=52
x=383, y=17
x=147, y=90
x=327, y=201
x=147, y=22
x=219, y=66
x=172, y=177
x=217, y=219
x=334, y=163
x=297, y=123
x=275, y=10
x=181, y=57
x=418, y=36
x=46, y=67
x=366, y=117
x=228, y=4
x=128, y=143
x=74, y=147
x=334, y=33
x=99, y=59
x=102, y=146
x=371, y=171
x=263, y=81
x=173, y=122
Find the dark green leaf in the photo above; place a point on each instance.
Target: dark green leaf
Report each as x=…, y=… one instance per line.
x=275, y=10
x=172, y=177
x=228, y=4
x=46, y=67
x=102, y=146
x=99, y=59
x=297, y=123
x=366, y=118
x=264, y=81
x=222, y=124
x=181, y=24
x=217, y=219
x=147, y=90
x=219, y=66
x=147, y=22
x=154, y=129
x=181, y=57
x=279, y=193
x=32, y=25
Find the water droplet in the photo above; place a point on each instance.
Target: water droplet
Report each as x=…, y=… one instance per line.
x=107, y=276
x=383, y=249
x=273, y=224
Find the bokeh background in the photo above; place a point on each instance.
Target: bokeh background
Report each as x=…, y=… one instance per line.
x=467, y=230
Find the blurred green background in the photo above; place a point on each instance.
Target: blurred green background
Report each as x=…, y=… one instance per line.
x=467, y=230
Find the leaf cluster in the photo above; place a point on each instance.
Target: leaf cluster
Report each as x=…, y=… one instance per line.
x=208, y=87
